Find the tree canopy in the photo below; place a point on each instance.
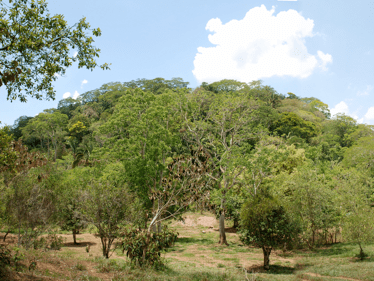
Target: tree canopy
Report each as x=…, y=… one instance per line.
x=36, y=47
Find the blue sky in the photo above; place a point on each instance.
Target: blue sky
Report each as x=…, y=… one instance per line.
x=313, y=48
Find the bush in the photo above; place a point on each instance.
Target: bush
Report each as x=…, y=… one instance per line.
x=266, y=225
x=52, y=242
x=145, y=248
x=5, y=260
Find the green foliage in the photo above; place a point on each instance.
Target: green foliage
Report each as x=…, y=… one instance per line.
x=265, y=224
x=312, y=202
x=51, y=242
x=36, y=46
x=342, y=126
x=158, y=85
x=355, y=190
x=8, y=155
x=361, y=155
x=144, y=248
x=290, y=124
x=109, y=206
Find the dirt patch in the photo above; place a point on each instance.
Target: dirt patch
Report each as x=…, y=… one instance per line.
x=205, y=221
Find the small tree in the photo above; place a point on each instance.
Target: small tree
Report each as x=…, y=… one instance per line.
x=266, y=225
x=108, y=207
x=358, y=216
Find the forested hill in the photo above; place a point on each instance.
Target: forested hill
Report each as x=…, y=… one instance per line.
x=132, y=155
x=305, y=122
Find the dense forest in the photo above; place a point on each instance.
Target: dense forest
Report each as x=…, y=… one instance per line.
x=128, y=157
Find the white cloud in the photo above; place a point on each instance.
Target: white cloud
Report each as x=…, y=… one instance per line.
x=84, y=82
x=370, y=114
x=66, y=95
x=365, y=92
x=325, y=59
x=76, y=95
x=75, y=54
x=342, y=107
x=258, y=46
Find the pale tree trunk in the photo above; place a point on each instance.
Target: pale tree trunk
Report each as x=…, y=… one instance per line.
x=222, y=233
x=266, y=251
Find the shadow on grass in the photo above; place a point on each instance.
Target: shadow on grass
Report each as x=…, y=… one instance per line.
x=78, y=245
x=228, y=230
x=367, y=259
x=190, y=240
x=274, y=269
x=329, y=250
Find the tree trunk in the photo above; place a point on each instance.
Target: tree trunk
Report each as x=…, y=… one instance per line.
x=222, y=234
x=159, y=227
x=75, y=236
x=105, y=247
x=6, y=234
x=266, y=252
x=362, y=253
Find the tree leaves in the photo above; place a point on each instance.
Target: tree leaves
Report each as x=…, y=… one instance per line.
x=34, y=47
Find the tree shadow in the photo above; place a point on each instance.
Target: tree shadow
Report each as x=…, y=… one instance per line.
x=274, y=269
x=228, y=230
x=79, y=245
x=190, y=240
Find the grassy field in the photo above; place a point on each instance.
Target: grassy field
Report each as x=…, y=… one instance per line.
x=196, y=256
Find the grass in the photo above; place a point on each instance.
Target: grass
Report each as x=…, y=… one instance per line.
x=197, y=256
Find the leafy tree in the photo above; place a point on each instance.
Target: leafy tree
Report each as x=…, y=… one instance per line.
x=31, y=202
x=19, y=123
x=67, y=106
x=36, y=46
x=109, y=206
x=342, y=126
x=266, y=225
x=224, y=86
x=71, y=202
x=222, y=126
x=158, y=85
x=355, y=190
x=49, y=128
x=361, y=155
x=311, y=199
x=290, y=124
x=8, y=155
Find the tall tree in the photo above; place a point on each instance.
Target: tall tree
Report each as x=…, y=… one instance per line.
x=221, y=125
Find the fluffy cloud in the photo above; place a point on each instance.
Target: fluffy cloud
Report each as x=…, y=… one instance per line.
x=68, y=94
x=342, y=107
x=75, y=54
x=370, y=114
x=84, y=82
x=324, y=59
x=76, y=95
x=258, y=46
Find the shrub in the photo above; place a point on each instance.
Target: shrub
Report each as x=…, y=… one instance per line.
x=144, y=248
x=266, y=225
